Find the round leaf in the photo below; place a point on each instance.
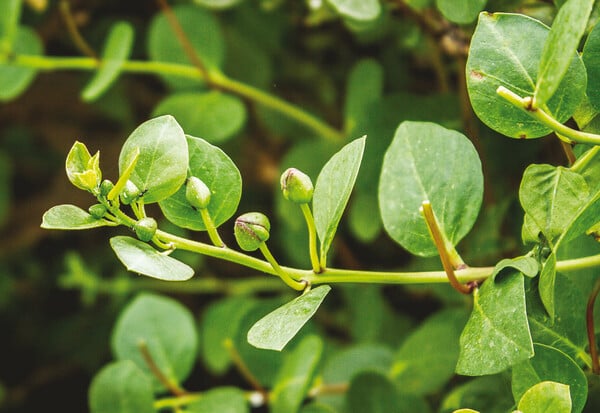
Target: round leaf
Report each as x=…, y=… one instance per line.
x=162, y=165
x=168, y=331
x=357, y=10
x=15, y=79
x=215, y=116
x=505, y=51
x=428, y=162
x=546, y=397
x=137, y=256
x=200, y=27
x=211, y=165
x=121, y=387
x=461, y=12
x=222, y=400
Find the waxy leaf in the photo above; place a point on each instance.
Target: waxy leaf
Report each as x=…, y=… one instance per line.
x=295, y=376
x=138, y=256
x=591, y=59
x=121, y=387
x=546, y=397
x=428, y=162
x=461, y=12
x=163, y=161
x=358, y=10
x=15, y=79
x=116, y=51
x=551, y=197
x=528, y=266
x=203, y=31
x=166, y=329
x=427, y=358
x=215, y=116
x=332, y=191
x=70, y=217
x=277, y=328
x=220, y=399
x=561, y=47
x=363, y=88
x=550, y=364
x=497, y=334
x=218, y=172
x=506, y=50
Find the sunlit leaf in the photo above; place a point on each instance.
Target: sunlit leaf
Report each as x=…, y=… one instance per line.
x=546, y=397
x=70, y=217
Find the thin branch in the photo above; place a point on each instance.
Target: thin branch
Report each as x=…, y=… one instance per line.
x=169, y=384
x=243, y=369
x=78, y=40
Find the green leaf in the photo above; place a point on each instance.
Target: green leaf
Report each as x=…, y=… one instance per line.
x=15, y=79
x=277, y=328
x=121, y=387
x=163, y=161
x=9, y=24
x=70, y=217
x=462, y=12
x=213, y=167
x=547, y=283
x=428, y=162
x=364, y=87
x=550, y=364
x=528, y=266
x=546, y=397
x=497, y=334
x=317, y=408
x=204, y=33
x=505, y=51
x=221, y=322
x=220, y=399
x=560, y=47
x=295, y=376
x=138, y=256
x=551, y=196
x=364, y=224
x=591, y=59
x=487, y=394
x=374, y=393
x=166, y=328
x=215, y=116
x=116, y=51
x=426, y=359
x=332, y=191
x=357, y=10
x=218, y=4
x=83, y=169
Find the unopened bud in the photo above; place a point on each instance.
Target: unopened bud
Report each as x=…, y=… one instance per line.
x=97, y=211
x=296, y=186
x=130, y=193
x=145, y=228
x=197, y=193
x=251, y=230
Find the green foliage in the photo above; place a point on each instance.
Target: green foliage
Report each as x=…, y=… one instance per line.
x=70, y=217
x=465, y=12
x=547, y=397
x=14, y=80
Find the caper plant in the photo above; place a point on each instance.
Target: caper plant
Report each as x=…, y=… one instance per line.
x=530, y=320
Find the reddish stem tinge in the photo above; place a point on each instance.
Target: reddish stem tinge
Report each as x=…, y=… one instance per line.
x=589, y=317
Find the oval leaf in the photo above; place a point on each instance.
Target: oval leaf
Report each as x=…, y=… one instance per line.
x=163, y=161
x=591, y=59
x=561, y=47
x=462, y=12
x=168, y=331
x=15, y=79
x=332, y=191
x=277, y=328
x=428, y=162
x=550, y=364
x=499, y=56
x=357, y=10
x=221, y=399
x=497, y=334
x=220, y=175
x=116, y=51
x=363, y=87
x=215, y=116
x=137, y=256
x=70, y=217
x=546, y=397
x=121, y=387
x=295, y=376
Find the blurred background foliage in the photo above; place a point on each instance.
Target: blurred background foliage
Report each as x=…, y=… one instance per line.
x=361, y=74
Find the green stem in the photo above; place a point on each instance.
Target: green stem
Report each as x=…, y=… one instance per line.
x=211, y=228
x=580, y=164
x=279, y=271
x=217, y=80
x=312, y=238
x=539, y=114
x=175, y=402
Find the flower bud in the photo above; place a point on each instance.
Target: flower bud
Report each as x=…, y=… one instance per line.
x=251, y=230
x=296, y=186
x=197, y=193
x=145, y=228
x=105, y=187
x=130, y=193
x=83, y=169
x=97, y=211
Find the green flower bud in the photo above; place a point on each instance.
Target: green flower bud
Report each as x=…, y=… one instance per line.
x=83, y=169
x=197, y=193
x=296, y=186
x=145, y=229
x=105, y=187
x=130, y=193
x=97, y=211
x=251, y=230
